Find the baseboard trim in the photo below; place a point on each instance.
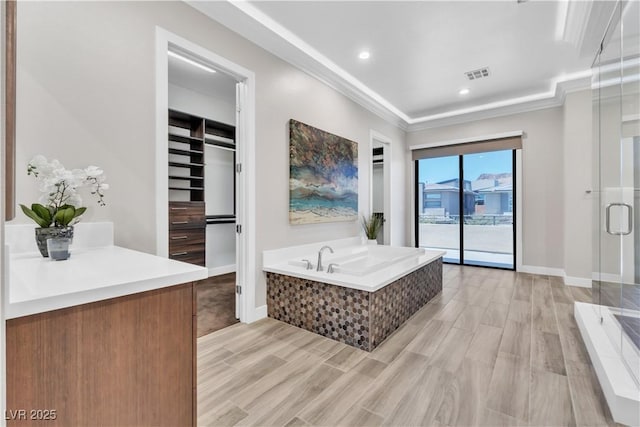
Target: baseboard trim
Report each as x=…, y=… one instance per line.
x=556, y=272
x=607, y=277
x=577, y=281
x=544, y=271
x=258, y=313
x=225, y=269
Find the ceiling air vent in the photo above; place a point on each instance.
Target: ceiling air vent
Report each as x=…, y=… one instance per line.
x=477, y=74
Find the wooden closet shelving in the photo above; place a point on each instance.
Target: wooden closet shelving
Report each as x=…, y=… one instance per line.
x=187, y=220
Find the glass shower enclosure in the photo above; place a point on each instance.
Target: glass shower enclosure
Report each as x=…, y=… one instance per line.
x=611, y=325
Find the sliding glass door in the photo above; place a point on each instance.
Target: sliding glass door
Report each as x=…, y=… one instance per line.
x=488, y=232
x=465, y=206
x=439, y=215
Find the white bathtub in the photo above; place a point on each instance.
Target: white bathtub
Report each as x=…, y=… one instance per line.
x=357, y=266
x=367, y=259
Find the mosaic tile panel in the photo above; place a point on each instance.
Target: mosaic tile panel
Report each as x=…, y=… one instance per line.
x=392, y=305
x=357, y=318
x=332, y=311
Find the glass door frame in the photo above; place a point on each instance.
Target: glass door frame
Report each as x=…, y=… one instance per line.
x=461, y=224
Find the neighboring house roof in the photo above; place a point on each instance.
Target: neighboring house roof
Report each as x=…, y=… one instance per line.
x=481, y=184
x=439, y=187
x=505, y=188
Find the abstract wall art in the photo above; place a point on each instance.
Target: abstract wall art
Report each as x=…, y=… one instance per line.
x=323, y=176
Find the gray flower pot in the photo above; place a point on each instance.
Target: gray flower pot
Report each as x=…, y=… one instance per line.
x=42, y=234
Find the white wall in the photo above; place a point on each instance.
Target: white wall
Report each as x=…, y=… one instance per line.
x=578, y=204
x=86, y=96
x=199, y=104
x=543, y=177
x=221, y=248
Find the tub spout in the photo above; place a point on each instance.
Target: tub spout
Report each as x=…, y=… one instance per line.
x=320, y=257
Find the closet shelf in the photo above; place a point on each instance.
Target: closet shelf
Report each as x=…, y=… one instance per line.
x=184, y=152
x=187, y=188
x=183, y=120
x=184, y=139
x=215, y=137
x=187, y=178
x=186, y=165
x=216, y=128
x=217, y=143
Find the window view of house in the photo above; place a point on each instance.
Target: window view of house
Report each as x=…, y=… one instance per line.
x=483, y=200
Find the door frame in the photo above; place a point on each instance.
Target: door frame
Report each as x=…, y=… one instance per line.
x=377, y=137
x=245, y=155
x=517, y=188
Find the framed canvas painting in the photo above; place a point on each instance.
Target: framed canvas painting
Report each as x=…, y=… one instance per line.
x=323, y=176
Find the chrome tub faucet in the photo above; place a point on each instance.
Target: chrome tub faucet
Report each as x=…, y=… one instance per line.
x=320, y=257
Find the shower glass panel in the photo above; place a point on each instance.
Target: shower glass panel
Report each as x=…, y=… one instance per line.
x=616, y=290
x=630, y=183
x=438, y=213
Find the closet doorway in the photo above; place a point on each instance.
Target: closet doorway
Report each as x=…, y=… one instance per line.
x=205, y=135
x=465, y=204
x=206, y=96
x=380, y=187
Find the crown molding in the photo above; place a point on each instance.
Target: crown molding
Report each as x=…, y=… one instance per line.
x=246, y=20
x=249, y=22
x=553, y=98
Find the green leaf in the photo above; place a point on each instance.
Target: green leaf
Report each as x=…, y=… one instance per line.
x=79, y=212
x=31, y=214
x=64, y=216
x=372, y=226
x=42, y=212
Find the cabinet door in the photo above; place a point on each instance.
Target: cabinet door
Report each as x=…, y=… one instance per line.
x=125, y=361
x=186, y=215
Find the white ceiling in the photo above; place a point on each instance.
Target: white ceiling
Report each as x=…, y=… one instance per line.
x=420, y=50
x=217, y=85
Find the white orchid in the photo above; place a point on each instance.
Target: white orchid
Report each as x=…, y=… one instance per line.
x=59, y=186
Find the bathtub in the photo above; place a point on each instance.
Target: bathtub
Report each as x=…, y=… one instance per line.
x=372, y=258
x=358, y=266
x=372, y=291
x=360, y=260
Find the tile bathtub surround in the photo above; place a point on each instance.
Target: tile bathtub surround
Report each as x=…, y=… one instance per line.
x=354, y=317
x=332, y=311
x=395, y=303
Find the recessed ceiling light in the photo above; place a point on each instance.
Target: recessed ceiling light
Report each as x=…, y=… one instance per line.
x=464, y=91
x=364, y=54
x=191, y=61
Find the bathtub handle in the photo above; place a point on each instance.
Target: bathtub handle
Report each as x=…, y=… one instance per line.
x=330, y=268
x=308, y=266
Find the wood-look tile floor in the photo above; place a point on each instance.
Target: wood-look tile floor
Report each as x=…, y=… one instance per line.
x=495, y=348
x=216, y=297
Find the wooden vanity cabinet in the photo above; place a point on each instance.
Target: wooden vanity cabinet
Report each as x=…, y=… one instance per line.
x=127, y=361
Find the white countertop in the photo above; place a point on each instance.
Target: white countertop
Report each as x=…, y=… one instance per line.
x=38, y=284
